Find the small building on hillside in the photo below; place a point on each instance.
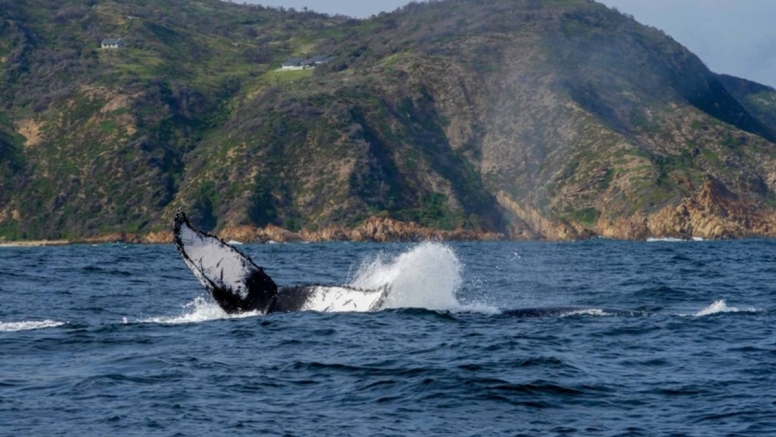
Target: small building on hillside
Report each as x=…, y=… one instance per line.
x=292, y=64
x=317, y=60
x=112, y=43
x=305, y=63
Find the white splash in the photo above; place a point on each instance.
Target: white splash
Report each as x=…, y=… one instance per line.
x=426, y=276
x=665, y=240
x=234, y=243
x=28, y=325
x=721, y=307
x=673, y=240
x=199, y=310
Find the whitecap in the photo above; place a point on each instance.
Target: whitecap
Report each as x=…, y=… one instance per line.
x=587, y=312
x=28, y=325
x=665, y=240
x=720, y=306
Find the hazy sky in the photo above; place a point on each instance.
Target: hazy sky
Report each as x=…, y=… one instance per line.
x=736, y=37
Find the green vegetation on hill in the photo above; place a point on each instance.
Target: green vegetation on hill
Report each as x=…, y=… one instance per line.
x=501, y=115
x=759, y=100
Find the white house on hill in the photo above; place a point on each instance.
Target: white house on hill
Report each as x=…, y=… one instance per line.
x=303, y=64
x=112, y=43
x=293, y=64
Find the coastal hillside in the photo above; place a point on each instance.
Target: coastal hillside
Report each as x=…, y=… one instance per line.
x=528, y=118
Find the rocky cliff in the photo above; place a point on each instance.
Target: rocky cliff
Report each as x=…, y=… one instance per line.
x=454, y=119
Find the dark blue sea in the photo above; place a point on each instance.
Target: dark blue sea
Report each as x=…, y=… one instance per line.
x=121, y=340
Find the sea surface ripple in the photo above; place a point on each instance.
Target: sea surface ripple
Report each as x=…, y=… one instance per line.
x=122, y=340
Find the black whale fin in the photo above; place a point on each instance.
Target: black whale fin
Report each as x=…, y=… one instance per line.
x=234, y=281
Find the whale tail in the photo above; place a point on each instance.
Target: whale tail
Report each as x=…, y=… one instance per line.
x=236, y=283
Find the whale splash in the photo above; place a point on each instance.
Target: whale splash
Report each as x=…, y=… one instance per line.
x=425, y=276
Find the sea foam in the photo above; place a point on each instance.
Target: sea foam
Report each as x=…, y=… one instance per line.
x=587, y=312
x=198, y=310
x=673, y=240
x=720, y=306
x=28, y=325
x=666, y=240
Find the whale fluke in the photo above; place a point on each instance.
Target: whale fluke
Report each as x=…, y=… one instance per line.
x=232, y=278
x=238, y=285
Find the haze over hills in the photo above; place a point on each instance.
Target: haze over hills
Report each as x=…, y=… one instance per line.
x=536, y=119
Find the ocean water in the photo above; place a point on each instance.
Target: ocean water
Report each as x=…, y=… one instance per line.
x=122, y=340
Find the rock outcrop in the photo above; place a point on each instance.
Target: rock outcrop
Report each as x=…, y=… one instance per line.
x=714, y=213
x=376, y=229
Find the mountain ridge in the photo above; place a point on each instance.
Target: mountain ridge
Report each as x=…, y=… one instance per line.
x=534, y=119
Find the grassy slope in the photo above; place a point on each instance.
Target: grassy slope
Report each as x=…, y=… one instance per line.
x=115, y=127
x=759, y=100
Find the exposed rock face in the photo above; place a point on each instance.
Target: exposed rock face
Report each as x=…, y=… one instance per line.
x=625, y=228
x=541, y=227
x=162, y=237
x=385, y=229
x=378, y=229
x=714, y=213
x=118, y=237
x=374, y=229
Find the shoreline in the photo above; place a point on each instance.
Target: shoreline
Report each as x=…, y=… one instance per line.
x=374, y=229
x=35, y=243
x=140, y=240
x=59, y=243
x=145, y=240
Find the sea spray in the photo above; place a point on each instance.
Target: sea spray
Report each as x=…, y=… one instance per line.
x=198, y=310
x=425, y=276
x=720, y=306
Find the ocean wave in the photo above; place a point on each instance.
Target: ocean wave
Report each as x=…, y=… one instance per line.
x=673, y=240
x=29, y=325
x=720, y=306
